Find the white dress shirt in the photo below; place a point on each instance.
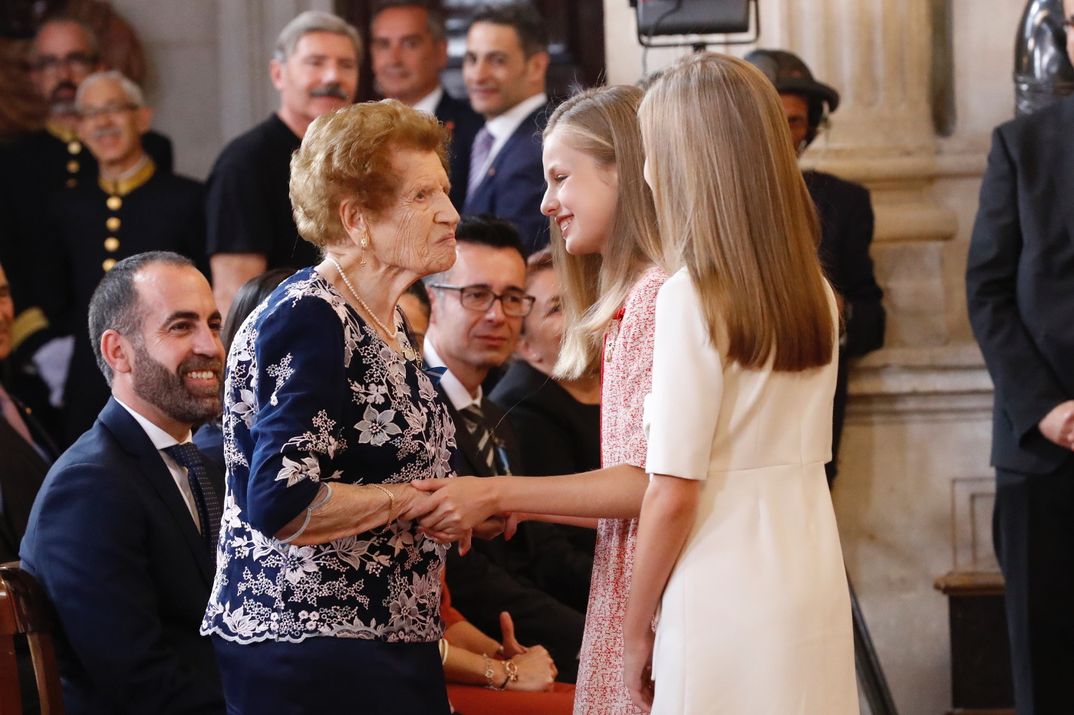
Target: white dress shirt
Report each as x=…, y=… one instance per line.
x=456, y=392
x=160, y=440
x=428, y=103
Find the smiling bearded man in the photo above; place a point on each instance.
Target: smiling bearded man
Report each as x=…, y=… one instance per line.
x=123, y=533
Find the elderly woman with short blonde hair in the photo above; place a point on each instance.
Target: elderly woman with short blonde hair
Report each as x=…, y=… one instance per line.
x=327, y=595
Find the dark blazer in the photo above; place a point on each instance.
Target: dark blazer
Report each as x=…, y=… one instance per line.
x=22, y=470
x=1020, y=283
x=846, y=222
x=514, y=184
x=462, y=124
x=493, y=576
x=116, y=550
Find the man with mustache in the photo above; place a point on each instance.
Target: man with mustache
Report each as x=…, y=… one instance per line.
x=408, y=47
x=504, y=70
x=250, y=228
x=132, y=207
x=122, y=535
x=64, y=52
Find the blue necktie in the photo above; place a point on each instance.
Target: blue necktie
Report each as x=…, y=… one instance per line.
x=205, y=499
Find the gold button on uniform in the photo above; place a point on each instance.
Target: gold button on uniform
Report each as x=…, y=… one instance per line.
x=72, y=167
x=72, y=183
x=107, y=264
x=112, y=224
x=114, y=203
x=111, y=244
x=74, y=147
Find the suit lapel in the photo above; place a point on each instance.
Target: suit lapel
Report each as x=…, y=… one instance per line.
x=526, y=131
x=132, y=439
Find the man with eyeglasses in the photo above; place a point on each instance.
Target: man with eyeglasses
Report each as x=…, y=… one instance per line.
x=131, y=207
x=477, y=311
x=63, y=53
x=1020, y=299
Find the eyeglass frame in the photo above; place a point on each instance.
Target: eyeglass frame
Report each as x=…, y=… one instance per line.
x=527, y=300
x=50, y=63
x=107, y=110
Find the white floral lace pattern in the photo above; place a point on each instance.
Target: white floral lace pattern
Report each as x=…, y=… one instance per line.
x=388, y=427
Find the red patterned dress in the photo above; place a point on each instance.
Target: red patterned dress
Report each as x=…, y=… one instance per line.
x=626, y=380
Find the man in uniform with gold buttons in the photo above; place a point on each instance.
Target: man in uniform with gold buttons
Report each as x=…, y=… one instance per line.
x=132, y=206
x=63, y=54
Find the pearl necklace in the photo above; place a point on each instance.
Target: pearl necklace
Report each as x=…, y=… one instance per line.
x=392, y=334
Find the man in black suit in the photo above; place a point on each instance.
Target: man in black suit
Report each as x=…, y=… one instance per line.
x=122, y=534
x=409, y=51
x=504, y=69
x=477, y=311
x=1020, y=295
x=26, y=448
x=846, y=222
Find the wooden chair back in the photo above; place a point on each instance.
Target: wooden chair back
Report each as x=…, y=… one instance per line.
x=26, y=613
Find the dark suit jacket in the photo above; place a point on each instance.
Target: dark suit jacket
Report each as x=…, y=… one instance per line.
x=1020, y=283
x=514, y=185
x=497, y=575
x=116, y=550
x=846, y=222
x=462, y=124
x=22, y=470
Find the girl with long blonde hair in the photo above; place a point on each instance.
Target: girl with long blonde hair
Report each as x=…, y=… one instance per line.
x=605, y=245
x=737, y=546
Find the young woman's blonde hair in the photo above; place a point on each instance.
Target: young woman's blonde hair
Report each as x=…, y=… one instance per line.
x=734, y=210
x=602, y=122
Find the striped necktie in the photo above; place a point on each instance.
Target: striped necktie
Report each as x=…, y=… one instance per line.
x=206, y=500
x=479, y=156
x=474, y=419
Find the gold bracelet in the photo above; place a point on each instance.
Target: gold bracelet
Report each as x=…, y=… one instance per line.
x=511, y=669
x=391, y=502
x=488, y=672
x=445, y=648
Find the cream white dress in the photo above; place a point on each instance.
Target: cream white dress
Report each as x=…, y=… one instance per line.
x=755, y=619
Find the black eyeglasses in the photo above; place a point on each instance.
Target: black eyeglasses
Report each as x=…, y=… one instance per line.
x=480, y=298
x=73, y=60
x=108, y=110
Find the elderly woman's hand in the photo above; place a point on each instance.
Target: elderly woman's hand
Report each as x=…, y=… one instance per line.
x=536, y=671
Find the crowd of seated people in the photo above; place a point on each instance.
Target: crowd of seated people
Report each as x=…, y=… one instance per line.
x=116, y=275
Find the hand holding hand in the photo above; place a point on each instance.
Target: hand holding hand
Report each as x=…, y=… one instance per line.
x=1058, y=425
x=460, y=503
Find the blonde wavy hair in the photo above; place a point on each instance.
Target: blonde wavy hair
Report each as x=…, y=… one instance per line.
x=348, y=153
x=734, y=210
x=602, y=122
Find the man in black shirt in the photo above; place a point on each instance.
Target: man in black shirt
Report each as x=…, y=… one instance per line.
x=250, y=227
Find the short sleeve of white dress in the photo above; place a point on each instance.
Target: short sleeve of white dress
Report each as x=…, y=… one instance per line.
x=682, y=410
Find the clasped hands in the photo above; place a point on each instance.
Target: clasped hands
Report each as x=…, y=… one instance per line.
x=456, y=509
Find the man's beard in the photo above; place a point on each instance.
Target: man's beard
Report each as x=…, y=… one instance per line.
x=158, y=386
x=62, y=99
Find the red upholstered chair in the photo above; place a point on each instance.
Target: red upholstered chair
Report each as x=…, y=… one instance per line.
x=25, y=611
x=474, y=700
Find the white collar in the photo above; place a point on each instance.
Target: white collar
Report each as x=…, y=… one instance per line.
x=428, y=103
x=503, y=126
x=156, y=435
x=456, y=392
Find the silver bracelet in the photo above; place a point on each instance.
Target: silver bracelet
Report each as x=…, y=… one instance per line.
x=323, y=495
